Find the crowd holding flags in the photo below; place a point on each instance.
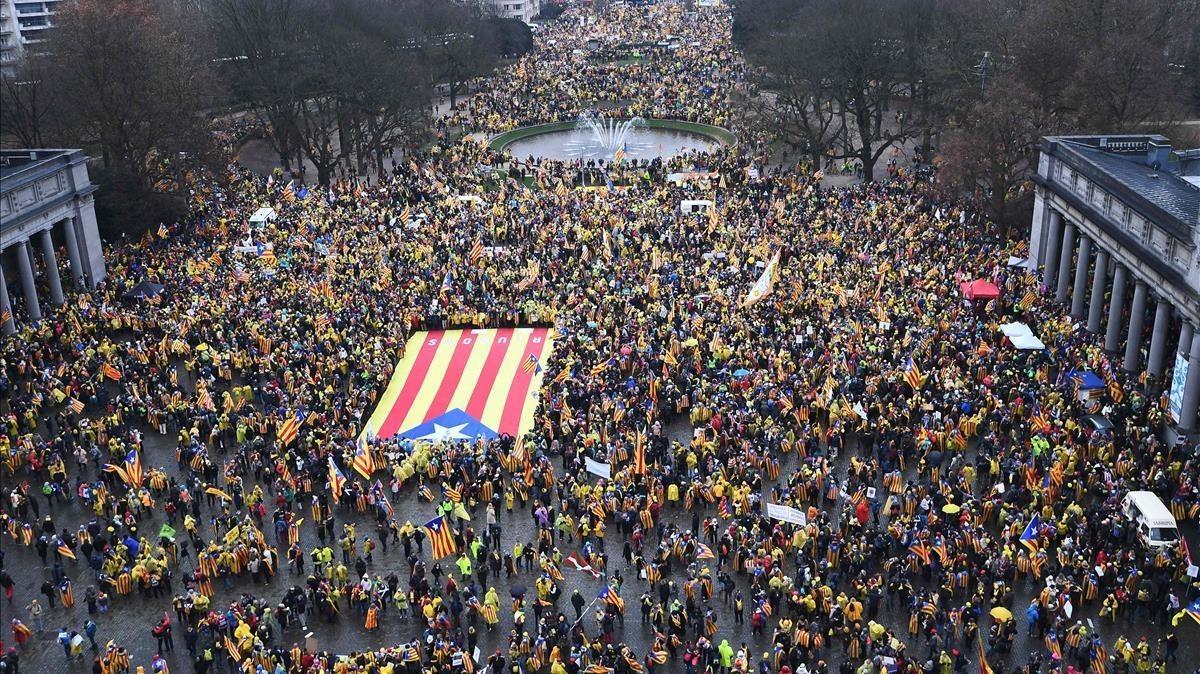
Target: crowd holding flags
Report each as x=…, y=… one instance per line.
x=381, y=498
x=639, y=452
x=912, y=374
x=440, y=537
x=287, y=431
x=337, y=480
x=764, y=285
x=130, y=470
x=219, y=493
x=362, y=462
x=110, y=371
x=576, y=561
x=1029, y=537
x=610, y=596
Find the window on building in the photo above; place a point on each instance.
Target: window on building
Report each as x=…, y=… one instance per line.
x=30, y=8
x=1156, y=239
x=32, y=21
x=1180, y=254
x=1134, y=224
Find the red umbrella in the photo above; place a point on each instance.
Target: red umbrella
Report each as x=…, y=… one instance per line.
x=979, y=290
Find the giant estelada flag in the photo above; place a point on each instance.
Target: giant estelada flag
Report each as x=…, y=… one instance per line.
x=460, y=384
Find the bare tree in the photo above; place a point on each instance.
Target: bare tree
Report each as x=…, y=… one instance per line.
x=795, y=98
x=29, y=102
x=261, y=52
x=455, y=40
x=841, y=73
x=135, y=80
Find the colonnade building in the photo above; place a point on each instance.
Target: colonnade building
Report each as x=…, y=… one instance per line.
x=47, y=225
x=1115, y=238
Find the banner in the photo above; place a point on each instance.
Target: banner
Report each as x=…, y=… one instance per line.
x=598, y=469
x=1178, y=380
x=784, y=513
x=765, y=283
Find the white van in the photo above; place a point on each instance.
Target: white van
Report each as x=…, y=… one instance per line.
x=1155, y=523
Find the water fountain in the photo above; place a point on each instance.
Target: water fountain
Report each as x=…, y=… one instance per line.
x=593, y=136
x=610, y=134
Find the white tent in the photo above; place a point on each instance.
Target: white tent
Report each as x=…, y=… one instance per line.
x=1022, y=337
x=1027, y=343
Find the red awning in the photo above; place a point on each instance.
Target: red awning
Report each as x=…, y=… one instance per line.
x=979, y=290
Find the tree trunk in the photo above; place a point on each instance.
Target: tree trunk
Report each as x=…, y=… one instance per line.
x=867, y=157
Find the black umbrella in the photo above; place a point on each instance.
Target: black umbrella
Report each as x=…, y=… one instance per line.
x=145, y=289
x=517, y=591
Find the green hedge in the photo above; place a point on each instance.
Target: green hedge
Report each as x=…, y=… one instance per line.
x=723, y=136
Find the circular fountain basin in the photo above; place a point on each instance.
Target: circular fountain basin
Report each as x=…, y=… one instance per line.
x=567, y=141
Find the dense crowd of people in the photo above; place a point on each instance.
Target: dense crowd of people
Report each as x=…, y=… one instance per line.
x=940, y=473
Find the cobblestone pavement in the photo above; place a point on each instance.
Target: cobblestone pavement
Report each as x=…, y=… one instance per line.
x=130, y=619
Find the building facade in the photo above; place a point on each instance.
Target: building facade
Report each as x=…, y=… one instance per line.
x=46, y=206
x=1115, y=237
x=24, y=24
x=525, y=10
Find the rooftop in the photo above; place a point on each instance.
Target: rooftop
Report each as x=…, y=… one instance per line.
x=1142, y=168
x=17, y=164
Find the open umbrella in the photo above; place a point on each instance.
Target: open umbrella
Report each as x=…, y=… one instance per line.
x=951, y=509
x=741, y=372
x=145, y=289
x=1001, y=614
x=517, y=591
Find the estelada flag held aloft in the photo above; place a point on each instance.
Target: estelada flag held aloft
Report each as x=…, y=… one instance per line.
x=912, y=374
x=111, y=372
x=765, y=283
x=639, y=452
x=362, y=462
x=130, y=470
x=337, y=481
x=440, y=537
x=287, y=431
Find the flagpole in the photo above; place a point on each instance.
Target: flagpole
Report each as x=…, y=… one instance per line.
x=584, y=612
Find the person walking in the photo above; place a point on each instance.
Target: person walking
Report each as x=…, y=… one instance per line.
x=35, y=615
x=89, y=628
x=162, y=632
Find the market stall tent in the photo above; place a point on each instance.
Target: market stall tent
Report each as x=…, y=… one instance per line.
x=979, y=289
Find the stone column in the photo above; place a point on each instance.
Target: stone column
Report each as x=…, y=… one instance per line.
x=68, y=226
x=1099, y=280
x=31, y=300
x=1191, y=388
x=10, y=325
x=1133, y=338
x=1112, y=337
x=52, y=275
x=1081, y=272
x=1185, y=336
x=1158, y=342
x=1050, y=251
x=1064, y=263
